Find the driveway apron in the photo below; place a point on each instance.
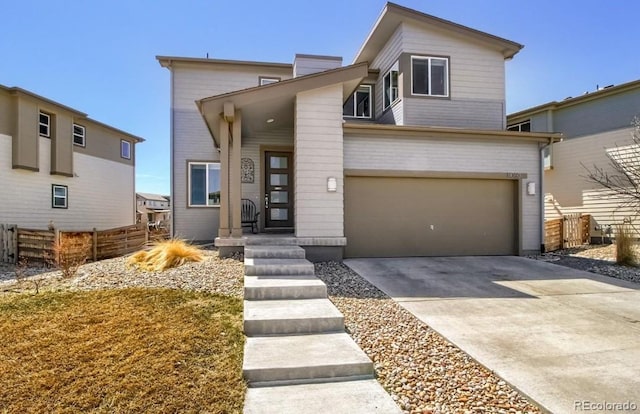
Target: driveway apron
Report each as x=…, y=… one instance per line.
x=568, y=339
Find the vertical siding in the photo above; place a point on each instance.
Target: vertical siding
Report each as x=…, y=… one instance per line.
x=410, y=154
x=318, y=155
x=101, y=194
x=191, y=139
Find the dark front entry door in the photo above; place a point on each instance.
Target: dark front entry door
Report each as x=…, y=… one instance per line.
x=278, y=190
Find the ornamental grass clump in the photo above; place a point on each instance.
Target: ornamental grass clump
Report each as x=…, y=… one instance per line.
x=625, y=250
x=165, y=255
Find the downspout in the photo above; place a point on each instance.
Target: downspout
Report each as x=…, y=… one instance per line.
x=171, y=159
x=541, y=172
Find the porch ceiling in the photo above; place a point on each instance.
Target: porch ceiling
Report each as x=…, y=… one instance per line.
x=275, y=101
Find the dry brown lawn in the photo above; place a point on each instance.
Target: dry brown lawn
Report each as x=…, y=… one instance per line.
x=117, y=351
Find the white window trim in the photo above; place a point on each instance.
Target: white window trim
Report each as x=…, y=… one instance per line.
x=124, y=143
x=355, y=104
x=54, y=196
x=206, y=163
x=48, y=124
x=83, y=135
x=446, y=77
x=394, y=68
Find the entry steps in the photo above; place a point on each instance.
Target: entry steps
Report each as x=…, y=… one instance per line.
x=297, y=356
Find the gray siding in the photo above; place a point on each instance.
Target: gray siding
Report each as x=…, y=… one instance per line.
x=308, y=64
x=604, y=114
x=191, y=139
x=383, y=62
x=411, y=154
x=458, y=113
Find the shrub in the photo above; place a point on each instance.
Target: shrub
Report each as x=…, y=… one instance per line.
x=625, y=252
x=70, y=252
x=166, y=254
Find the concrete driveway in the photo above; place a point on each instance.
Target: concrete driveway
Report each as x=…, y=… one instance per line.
x=568, y=339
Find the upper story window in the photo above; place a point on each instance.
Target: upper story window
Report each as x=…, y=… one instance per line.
x=429, y=76
x=79, y=137
x=265, y=80
x=524, y=126
x=45, y=125
x=204, y=184
x=359, y=104
x=125, y=149
x=390, y=84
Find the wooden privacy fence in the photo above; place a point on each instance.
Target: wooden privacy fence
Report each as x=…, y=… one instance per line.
x=38, y=245
x=571, y=230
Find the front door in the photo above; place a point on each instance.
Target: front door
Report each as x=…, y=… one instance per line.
x=278, y=196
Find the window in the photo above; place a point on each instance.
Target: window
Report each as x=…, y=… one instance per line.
x=204, y=184
x=520, y=127
x=264, y=80
x=45, y=125
x=359, y=104
x=390, y=82
x=78, y=135
x=59, y=196
x=125, y=149
x=429, y=76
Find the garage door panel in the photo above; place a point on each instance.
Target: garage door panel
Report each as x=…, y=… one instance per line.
x=401, y=216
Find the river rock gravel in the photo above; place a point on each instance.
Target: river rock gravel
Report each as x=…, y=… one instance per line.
x=423, y=372
x=213, y=274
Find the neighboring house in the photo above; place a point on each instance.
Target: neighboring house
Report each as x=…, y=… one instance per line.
x=594, y=125
x=152, y=208
x=57, y=165
x=402, y=153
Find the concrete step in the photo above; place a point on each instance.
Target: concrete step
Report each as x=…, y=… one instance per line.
x=271, y=241
x=283, y=287
x=274, y=252
x=267, y=267
x=350, y=397
x=282, y=360
x=289, y=317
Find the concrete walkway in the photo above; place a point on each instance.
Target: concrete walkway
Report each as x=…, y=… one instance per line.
x=297, y=356
x=568, y=339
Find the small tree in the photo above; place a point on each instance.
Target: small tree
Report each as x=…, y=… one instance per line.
x=70, y=252
x=622, y=174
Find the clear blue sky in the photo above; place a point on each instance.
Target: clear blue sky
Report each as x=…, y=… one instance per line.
x=99, y=56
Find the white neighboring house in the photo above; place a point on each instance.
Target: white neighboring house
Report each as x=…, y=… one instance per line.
x=404, y=152
x=153, y=209
x=595, y=125
x=57, y=165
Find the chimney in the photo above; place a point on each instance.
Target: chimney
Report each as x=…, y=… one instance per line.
x=307, y=64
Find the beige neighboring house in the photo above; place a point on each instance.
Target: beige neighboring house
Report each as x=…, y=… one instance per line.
x=153, y=209
x=403, y=152
x=595, y=126
x=58, y=165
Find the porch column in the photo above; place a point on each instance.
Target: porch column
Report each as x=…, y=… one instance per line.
x=234, y=179
x=223, y=231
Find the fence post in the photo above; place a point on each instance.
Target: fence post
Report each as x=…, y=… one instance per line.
x=56, y=243
x=3, y=248
x=14, y=243
x=94, y=244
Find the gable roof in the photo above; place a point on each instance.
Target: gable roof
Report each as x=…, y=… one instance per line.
x=589, y=96
x=275, y=100
x=150, y=196
x=393, y=14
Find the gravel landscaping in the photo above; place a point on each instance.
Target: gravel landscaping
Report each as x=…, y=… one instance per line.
x=422, y=371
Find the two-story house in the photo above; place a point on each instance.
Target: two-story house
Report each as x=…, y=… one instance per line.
x=153, y=209
x=403, y=152
x=597, y=129
x=58, y=165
